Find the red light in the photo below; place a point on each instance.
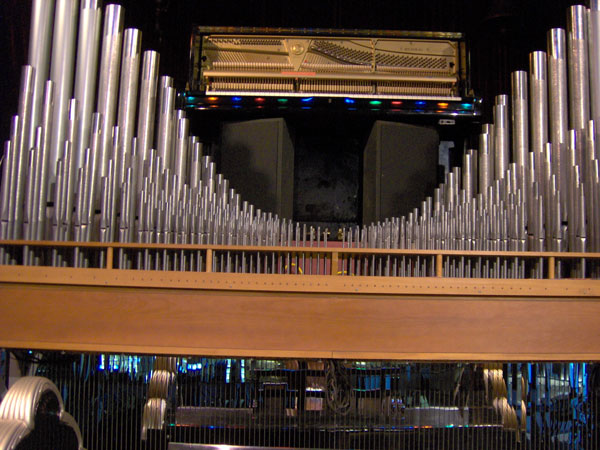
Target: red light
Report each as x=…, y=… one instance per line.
x=396, y=102
x=259, y=100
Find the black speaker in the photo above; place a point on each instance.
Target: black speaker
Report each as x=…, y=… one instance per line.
x=257, y=157
x=399, y=169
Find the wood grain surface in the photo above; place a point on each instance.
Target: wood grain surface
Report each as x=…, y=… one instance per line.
x=298, y=325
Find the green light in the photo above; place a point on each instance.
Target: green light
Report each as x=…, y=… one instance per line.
x=282, y=100
x=375, y=102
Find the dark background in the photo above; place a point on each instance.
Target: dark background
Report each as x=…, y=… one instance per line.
x=500, y=35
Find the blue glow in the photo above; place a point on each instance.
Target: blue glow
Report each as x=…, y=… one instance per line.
x=307, y=99
x=236, y=99
x=419, y=110
x=307, y=107
x=420, y=102
x=350, y=101
x=228, y=371
x=237, y=106
x=466, y=105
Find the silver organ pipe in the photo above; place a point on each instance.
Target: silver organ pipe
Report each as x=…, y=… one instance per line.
x=40, y=39
x=103, y=140
x=86, y=69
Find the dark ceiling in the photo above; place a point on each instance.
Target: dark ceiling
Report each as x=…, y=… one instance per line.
x=500, y=33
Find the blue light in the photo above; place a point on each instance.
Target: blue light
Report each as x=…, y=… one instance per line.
x=307, y=99
x=421, y=103
x=237, y=106
x=350, y=101
x=466, y=106
x=236, y=99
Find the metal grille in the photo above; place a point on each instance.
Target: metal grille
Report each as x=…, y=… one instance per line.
x=329, y=404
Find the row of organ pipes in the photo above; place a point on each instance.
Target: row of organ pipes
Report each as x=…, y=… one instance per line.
x=99, y=152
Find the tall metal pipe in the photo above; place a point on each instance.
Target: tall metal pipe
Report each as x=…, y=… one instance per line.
x=61, y=73
x=86, y=70
x=594, y=58
x=558, y=106
x=108, y=82
x=147, y=110
x=40, y=39
x=577, y=53
x=501, y=137
x=538, y=106
x=181, y=149
x=5, y=191
x=165, y=121
x=21, y=147
x=128, y=94
x=520, y=118
x=44, y=155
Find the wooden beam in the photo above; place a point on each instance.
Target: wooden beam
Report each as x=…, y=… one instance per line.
x=298, y=325
x=326, y=284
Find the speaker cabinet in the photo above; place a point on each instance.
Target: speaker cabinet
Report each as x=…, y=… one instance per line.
x=257, y=156
x=399, y=169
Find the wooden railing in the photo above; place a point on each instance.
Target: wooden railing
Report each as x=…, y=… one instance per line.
x=333, y=309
